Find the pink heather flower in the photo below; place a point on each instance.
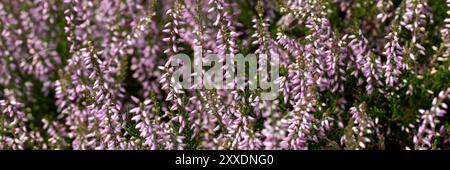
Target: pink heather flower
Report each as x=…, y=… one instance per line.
x=394, y=63
x=173, y=29
x=417, y=14
x=361, y=126
x=430, y=119
x=153, y=132
x=14, y=134
x=367, y=66
x=445, y=33
x=385, y=9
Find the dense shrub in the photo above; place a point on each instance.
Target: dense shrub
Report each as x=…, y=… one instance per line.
x=96, y=74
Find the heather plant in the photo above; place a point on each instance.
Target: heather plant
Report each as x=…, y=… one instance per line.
x=107, y=74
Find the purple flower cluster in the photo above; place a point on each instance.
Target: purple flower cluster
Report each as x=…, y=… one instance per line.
x=414, y=19
x=429, y=126
x=361, y=127
x=106, y=68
